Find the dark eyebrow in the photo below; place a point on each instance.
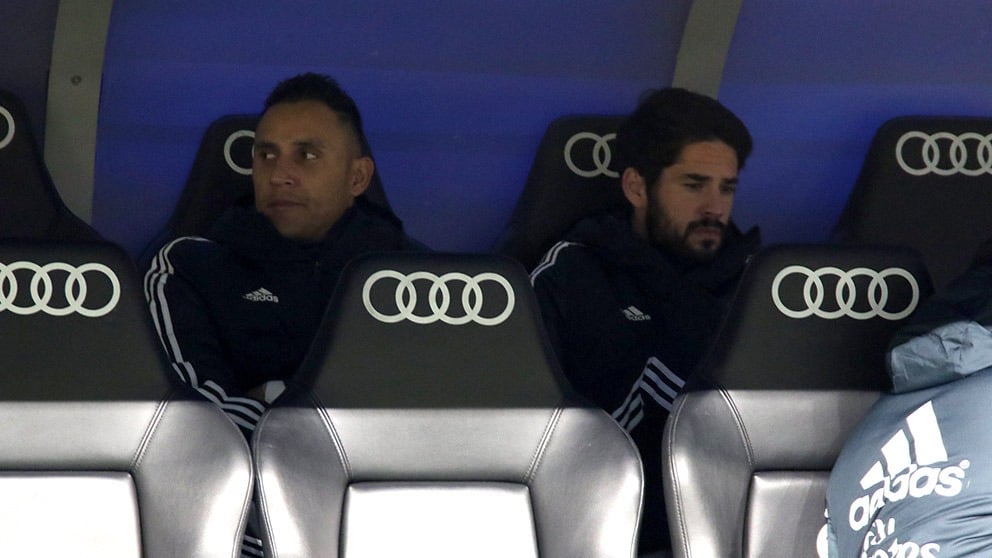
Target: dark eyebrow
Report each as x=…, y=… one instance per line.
x=263, y=144
x=300, y=144
x=703, y=178
x=308, y=144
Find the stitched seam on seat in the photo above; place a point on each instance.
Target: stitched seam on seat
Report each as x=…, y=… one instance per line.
x=268, y=544
x=674, y=419
x=745, y=439
x=640, y=505
x=542, y=445
x=641, y=489
x=149, y=433
x=673, y=422
x=740, y=427
x=335, y=437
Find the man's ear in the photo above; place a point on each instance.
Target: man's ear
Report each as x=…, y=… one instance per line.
x=361, y=175
x=634, y=188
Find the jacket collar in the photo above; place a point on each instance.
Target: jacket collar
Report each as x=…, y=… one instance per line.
x=613, y=240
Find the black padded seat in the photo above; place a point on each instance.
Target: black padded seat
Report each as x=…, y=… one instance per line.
x=749, y=445
x=31, y=206
x=926, y=183
x=220, y=177
x=430, y=420
x=102, y=456
x=574, y=175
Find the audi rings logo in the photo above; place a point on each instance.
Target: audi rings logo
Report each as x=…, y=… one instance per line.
x=846, y=293
x=227, y=151
x=9, y=136
x=42, y=287
x=600, y=155
x=490, y=309
x=944, y=153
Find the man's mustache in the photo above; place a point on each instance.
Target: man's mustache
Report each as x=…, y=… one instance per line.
x=709, y=222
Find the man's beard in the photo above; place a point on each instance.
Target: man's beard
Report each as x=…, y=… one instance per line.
x=664, y=236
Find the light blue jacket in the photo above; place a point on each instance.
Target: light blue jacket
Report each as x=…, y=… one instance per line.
x=915, y=478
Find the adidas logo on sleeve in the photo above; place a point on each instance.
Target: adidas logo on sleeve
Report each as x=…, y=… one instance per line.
x=913, y=466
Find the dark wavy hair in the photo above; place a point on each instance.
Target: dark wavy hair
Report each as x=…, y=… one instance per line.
x=666, y=120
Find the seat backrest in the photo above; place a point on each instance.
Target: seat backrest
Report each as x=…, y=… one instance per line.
x=574, y=175
x=220, y=178
x=926, y=183
x=30, y=206
x=749, y=445
x=430, y=420
x=101, y=456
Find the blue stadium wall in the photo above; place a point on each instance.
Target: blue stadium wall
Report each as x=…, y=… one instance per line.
x=456, y=94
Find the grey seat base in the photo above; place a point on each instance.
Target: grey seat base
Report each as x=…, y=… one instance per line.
x=69, y=514
x=441, y=437
x=747, y=466
x=438, y=520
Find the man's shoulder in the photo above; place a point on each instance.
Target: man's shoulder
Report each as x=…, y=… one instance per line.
x=189, y=254
x=563, y=258
x=189, y=246
x=374, y=229
x=594, y=244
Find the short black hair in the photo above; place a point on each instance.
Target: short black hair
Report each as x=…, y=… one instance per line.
x=666, y=121
x=322, y=88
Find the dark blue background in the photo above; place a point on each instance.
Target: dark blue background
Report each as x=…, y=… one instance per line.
x=815, y=79
x=457, y=94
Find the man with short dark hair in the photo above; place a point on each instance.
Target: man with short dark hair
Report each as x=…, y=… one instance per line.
x=632, y=300
x=237, y=310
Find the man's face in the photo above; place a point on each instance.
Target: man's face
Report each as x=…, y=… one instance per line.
x=688, y=209
x=307, y=169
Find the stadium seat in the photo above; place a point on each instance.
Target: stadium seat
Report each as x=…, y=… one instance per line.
x=573, y=176
x=103, y=455
x=926, y=184
x=31, y=206
x=430, y=419
x=220, y=179
x=749, y=445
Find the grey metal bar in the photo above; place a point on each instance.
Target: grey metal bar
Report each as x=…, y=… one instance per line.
x=705, y=42
x=74, y=100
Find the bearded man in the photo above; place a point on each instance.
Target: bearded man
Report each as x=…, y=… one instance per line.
x=632, y=300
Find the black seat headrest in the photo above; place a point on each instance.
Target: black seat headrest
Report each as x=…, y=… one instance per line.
x=815, y=317
x=75, y=325
x=926, y=183
x=220, y=177
x=574, y=175
x=416, y=330
x=32, y=207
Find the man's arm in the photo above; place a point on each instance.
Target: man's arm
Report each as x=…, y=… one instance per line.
x=623, y=382
x=550, y=297
x=190, y=337
x=566, y=283
x=948, y=337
